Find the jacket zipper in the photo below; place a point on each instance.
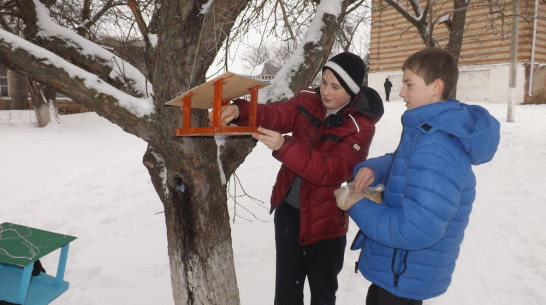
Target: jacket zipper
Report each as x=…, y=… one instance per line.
x=404, y=266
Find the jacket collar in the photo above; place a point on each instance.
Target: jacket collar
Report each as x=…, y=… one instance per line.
x=367, y=101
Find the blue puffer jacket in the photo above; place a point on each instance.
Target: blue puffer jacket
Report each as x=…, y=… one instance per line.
x=410, y=242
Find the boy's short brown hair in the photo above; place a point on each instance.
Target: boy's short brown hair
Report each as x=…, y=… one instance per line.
x=433, y=63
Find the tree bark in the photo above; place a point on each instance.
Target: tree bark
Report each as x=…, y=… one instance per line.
x=455, y=43
x=198, y=229
x=18, y=90
x=193, y=194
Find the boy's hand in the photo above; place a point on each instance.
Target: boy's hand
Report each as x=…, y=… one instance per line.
x=272, y=139
x=228, y=114
x=364, y=178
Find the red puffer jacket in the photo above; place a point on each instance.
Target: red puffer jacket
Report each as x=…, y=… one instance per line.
x=323, y=152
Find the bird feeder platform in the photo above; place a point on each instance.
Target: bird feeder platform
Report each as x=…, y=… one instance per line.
x=20, y=247
x=214, y=94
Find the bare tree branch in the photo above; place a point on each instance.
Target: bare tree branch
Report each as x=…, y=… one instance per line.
x=286, y=22
x=44, y=71
x=135, y=8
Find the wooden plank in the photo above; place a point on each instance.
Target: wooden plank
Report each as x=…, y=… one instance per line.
x=43, y=289
x=21, y=245
x=235, y=85
x=216, y=131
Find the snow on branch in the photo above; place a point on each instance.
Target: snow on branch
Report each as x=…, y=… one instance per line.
x=138, y=106
x=279, y=88
x=121, y=72
x=206, y=7
x=416, y=5
x=417, y=9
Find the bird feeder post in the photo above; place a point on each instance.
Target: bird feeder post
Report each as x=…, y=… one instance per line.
x=186, y=120
x=217, y=105
x=253, y=107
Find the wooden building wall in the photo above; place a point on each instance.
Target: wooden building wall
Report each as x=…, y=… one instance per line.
x=486, y=38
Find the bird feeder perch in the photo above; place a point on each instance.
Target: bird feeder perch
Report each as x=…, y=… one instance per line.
x=214, y=94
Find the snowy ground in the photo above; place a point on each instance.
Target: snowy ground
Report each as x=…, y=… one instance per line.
x=85, y=177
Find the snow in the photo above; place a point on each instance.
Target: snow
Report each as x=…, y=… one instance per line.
x=85, y=177
x=153, y=39
x=205, y=7
x=444, y=18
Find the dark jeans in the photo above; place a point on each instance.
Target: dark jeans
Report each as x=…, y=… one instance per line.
x=380, y=296
x=319, y=262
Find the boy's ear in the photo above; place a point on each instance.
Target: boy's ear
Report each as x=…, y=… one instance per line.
x=438, y=86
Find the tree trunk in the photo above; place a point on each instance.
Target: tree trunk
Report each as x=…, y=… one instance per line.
x=455, y=43
x=40, y=104
x=18, y=91
x=198, y=229
x=185, y=170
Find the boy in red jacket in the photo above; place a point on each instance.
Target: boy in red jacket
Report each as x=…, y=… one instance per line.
x=332, y=127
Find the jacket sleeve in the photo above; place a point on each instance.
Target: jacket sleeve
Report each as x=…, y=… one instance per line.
x=380, y=167
x=330, y=167
x=431, y=187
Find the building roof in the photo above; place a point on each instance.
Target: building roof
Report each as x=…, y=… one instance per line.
x=266, y=69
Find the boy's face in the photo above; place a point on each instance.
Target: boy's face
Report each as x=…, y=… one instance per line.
x=333, y=94
x=416, y=93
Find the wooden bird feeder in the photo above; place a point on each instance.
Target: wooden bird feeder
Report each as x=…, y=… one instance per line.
x=22, y=246
x=214, y=94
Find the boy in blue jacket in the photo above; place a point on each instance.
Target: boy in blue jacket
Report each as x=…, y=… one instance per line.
x=410, y=242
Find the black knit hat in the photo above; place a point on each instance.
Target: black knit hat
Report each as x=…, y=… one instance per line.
x=349, y=70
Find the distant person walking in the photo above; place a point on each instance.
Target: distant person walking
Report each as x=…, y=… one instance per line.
x=388, y=86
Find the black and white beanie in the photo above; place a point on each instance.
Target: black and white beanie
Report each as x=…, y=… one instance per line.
x=349, y=70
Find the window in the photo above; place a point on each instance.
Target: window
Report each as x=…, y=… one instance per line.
x=3, y=81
